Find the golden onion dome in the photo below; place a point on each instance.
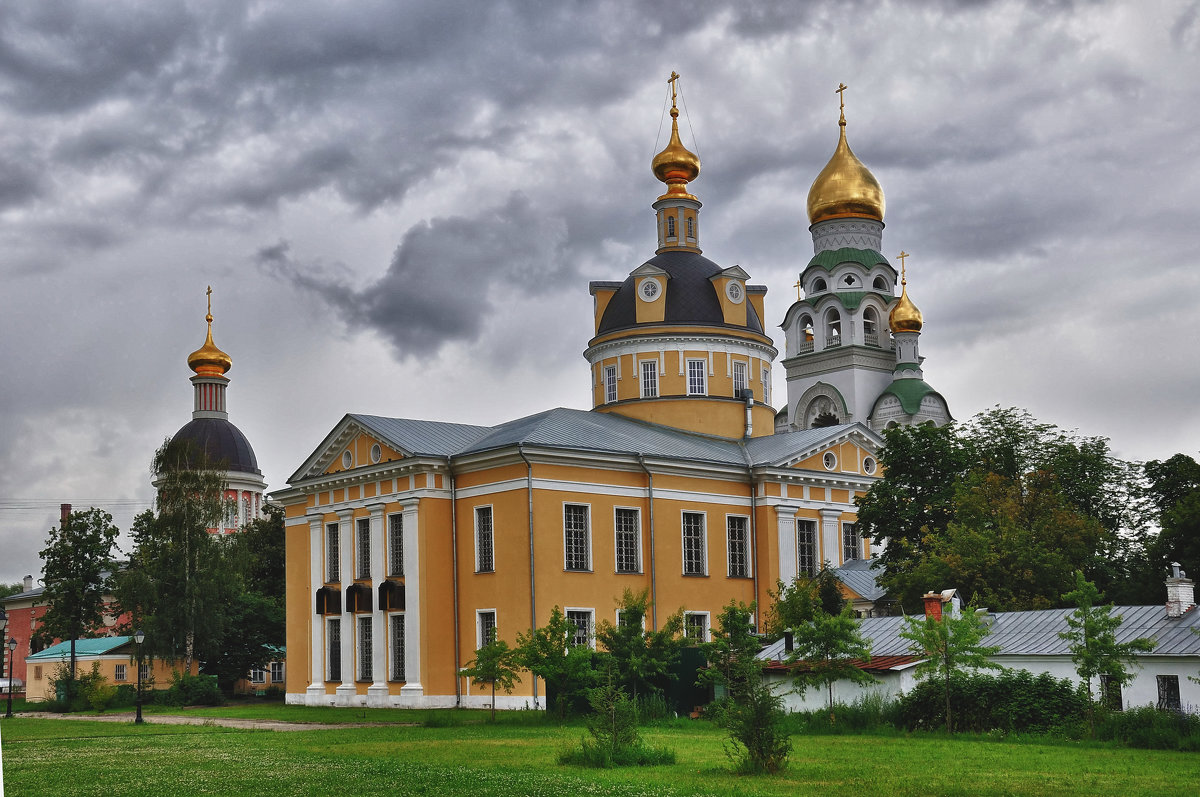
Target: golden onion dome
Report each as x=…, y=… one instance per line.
x=845, y=187
x=675, y=165
x=208, y=360
x=904, y=317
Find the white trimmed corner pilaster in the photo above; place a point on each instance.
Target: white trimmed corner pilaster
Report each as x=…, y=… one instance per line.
x=831, y=550
x=785, y=516
x=316, y=686
x=346, y=688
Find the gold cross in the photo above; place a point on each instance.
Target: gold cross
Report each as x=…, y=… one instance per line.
x=902, y=255
x=841, y=92
x=209, y=293
x=674, y=76
x=797, y=287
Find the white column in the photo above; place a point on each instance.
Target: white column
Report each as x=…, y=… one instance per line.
x=315, y=694
x=785, y=516
x=377, y=692
x=413, y=559
x=831, y=550
x=344, y=694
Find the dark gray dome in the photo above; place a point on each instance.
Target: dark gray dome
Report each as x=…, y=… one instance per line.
x=691, y=296
x=222, y=443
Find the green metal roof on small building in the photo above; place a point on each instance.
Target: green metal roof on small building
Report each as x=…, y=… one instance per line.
x=910, y=392
x=83, y=647
x=852, y=299
x=832, y=258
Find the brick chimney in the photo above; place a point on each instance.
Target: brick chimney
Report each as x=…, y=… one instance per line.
x=1181, y=592
x=64, y=512
x=933, y=605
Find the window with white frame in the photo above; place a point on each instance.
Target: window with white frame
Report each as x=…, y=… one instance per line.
x=277, y=672
x=694, y=560
x=697, y=373
x=628, y=542
x=670, y=226
x=691, y=227
x=119, y=672
x=485, y=552
x=583, y=620
x=332, y=571
x=144, y=671
x=397, y=637
x=695, y=626
x=737, y=538
x=1168, y=692
x=739, y=378
x=766, y=383
x=396, y=545
x=851, y=543
x=610, y=384
x=364, y=648
x=258, y=675
x=364, y=547
x=485, y=622
x=806, y=547
x=577, y=544
x=333, y=648
x=649, y=378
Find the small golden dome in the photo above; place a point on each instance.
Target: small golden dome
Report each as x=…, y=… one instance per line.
x=208, y=360
x=675, y=165
x=904, y=317
x=845, y=187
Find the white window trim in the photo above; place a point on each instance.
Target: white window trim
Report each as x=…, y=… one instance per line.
x=610, y=384
x=746, y=550
x=282, y=672
x=475, y=520
x=479, y=626
x=703, y=543
x=858, y=542
x=591, y=612
x=703, y=376
x=119, y=673
x=391, y=646
x=814, y=529
x=653, y=363
x=332, y=557
x=637, y=541
x=766, y=385
x=707, y=637
x=617, y=619
x=740, y=365
x=389, y=546
x=361, y=573
x=589, y=565
x=332, y=655
x=363, y=660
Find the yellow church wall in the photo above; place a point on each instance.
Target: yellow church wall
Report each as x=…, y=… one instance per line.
x=720, y=417
x=602, y=297
x=473, y=478
x=758, y=299
x=299, y=602
x=436, y=597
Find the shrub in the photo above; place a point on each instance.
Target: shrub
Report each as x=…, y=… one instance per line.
x=653, y=707
x=191, y=690
x=1014, y=701
x=615, y=740
x=871, y=712
x=96, y=689
x=1149, y=728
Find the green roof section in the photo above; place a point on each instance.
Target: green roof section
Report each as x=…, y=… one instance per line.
x=83, y=647
x=907, y=367
x=910, y=392
x=852, y=299
x=832, y=258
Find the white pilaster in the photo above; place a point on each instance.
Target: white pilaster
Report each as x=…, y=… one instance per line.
x=413, y=557
x=315, y=694
x=344, y=694
x=377, y=692
x=785, y=516
x=831, y=550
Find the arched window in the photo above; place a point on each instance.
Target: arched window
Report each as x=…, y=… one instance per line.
x=691, y=227
x=870, y=327
x=880, y=284
x=806, y=339
x=818, y=285
x=670, y=226
x=833, y=328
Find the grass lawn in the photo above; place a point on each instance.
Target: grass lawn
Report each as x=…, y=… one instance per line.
x=80, y=757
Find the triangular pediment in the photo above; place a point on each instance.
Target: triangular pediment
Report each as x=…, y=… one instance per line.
x=348, y=447
x=849, y=444
x=649, y=270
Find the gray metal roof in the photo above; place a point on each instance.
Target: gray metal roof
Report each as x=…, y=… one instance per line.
x=859, y=575
x=422, y=437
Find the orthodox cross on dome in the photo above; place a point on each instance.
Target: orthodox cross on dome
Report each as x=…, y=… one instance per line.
x=797, y=287
x=208, y=316
x=902, y=255
x=841, y=92
x=674, y=77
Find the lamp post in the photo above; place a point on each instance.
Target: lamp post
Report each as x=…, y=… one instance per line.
x=12, y=659
x=139, y=636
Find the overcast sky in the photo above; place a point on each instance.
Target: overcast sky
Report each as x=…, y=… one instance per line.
x=399, y=207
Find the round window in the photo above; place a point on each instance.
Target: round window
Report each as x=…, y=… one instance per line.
x=376, y=453
x=830, y=460
x=735, y=292
x=649, y=290
x=347, y=459
x=868, y=465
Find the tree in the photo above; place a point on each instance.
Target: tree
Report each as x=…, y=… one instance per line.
x=1093, y=641
x=754, y=716
x=791, y=607
x=11, y=589
x=494, y=664
x=948, y=644
x=548, y=653
x=827, y=649
x=643, y=659
x=77, y=562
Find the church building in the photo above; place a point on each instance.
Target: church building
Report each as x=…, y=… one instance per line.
x=410, y=543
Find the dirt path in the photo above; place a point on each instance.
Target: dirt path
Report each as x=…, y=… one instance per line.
x=224, y=722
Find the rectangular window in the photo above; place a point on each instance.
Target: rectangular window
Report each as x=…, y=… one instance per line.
x=397, y=629
x=649, y=378
x=485, y=560
x=576, y=537
x=277, y=672
x=851, y=543
x=582, y=618
x=119, y=672
x=695, y=626
x=364, y=649
x=766, y=383
x=486, y=627
x=806, y=547
x=1168, y=692
x=396, y=545
x=628, y=543
x=258, y=675
x=364, y=548
x=332, y=572
x=739, y=378
x=738, y=543
x=694, y=563
x=697, y=372
x=144, y=671
x=1110, y=693
x=610, y=383
x=333, y=638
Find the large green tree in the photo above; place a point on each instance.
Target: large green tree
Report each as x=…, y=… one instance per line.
x=947, y=645
x=549, y=654
x=642, y=659
x=828, y=649
x=1173, y=492
x=76, y=567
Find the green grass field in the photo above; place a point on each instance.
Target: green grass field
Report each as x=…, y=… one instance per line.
x=517, y=756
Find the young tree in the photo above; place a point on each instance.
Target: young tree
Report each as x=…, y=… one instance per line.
x=494, y=664
x=826, y=649
x=1093, y=641
x=549, y=654
x=758, y=742
x=642, y=659
x=791, y=607
x=77, y=561
x=948, y=645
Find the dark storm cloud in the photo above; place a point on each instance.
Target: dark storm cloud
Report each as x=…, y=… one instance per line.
x=438, y=287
